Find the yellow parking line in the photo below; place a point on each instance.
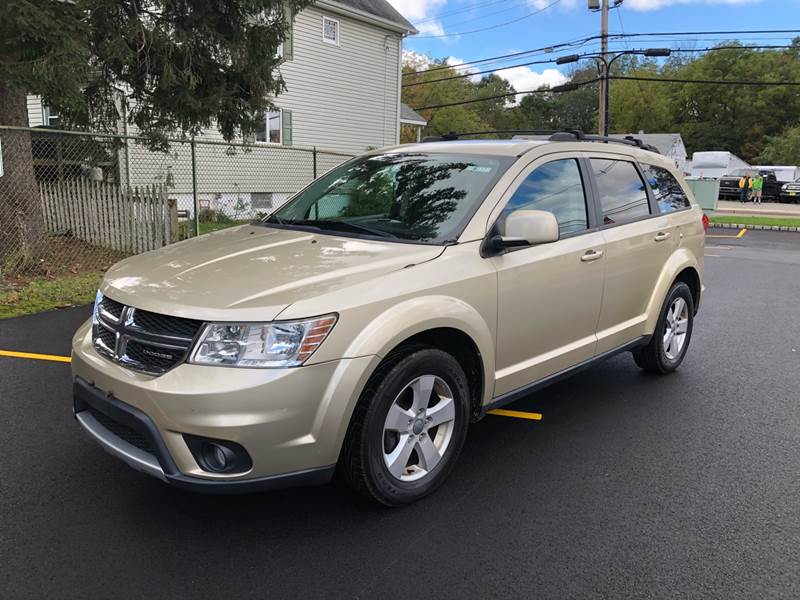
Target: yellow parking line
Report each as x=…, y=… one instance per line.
x=30, y=355
x=500, y=412
x=737, y=236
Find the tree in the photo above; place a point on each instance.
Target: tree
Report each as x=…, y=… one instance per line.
x=178, y=66
x=783, y=149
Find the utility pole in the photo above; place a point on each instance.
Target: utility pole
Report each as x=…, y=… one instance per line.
x=603, y=112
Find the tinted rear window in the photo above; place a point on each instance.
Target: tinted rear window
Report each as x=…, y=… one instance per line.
x=623, y=196
x=668, y=192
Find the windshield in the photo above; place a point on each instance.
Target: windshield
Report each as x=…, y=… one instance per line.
x=403, y=197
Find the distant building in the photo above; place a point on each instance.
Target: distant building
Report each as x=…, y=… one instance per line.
x=412, y=121
x=668, y=144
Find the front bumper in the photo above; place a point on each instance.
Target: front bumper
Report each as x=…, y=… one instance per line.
x=291, y=421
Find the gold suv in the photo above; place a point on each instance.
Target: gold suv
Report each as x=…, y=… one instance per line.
x=364, y=325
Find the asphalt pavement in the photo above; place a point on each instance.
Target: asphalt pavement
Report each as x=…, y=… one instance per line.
x=632, y=486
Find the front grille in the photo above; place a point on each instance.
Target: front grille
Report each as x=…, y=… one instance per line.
x=122, y=431
x=164, y=325
x=140, y=339
x=155, y=357
x=112, y=307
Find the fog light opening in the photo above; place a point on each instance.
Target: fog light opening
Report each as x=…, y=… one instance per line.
x=217, y=457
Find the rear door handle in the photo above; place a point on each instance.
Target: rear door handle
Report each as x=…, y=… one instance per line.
x=592, y=255
x=662, y=235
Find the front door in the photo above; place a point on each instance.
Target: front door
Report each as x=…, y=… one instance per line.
x=549, y=295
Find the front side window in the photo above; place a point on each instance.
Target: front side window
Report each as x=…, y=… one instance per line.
x=668, y=192
x=270, y=132
x=417, y=197
x=555, y=187
x=623, y=196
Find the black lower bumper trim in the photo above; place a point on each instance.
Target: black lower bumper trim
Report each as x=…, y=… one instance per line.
x=309, y=477
x=86, y=395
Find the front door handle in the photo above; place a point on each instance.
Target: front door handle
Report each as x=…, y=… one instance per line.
x=592, y=255
x=662, y=235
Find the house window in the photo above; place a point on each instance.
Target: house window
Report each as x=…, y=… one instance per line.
x=330, y=31
x=270, y=133
x=50, y=118
x=261, y=200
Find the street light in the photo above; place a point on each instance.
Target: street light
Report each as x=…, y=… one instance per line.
x=606, y=68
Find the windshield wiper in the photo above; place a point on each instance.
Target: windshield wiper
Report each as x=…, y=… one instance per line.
x=341, y=226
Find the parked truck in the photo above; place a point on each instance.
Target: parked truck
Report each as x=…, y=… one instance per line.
x=729, y=185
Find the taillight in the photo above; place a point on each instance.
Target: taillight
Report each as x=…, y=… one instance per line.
x=705, y=222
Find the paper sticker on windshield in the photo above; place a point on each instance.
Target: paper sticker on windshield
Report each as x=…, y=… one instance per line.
x=477, y=169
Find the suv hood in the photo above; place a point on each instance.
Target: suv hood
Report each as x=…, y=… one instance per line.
x=252, y=272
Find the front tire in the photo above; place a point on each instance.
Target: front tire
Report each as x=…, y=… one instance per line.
x=408, y=428
x=667, y=348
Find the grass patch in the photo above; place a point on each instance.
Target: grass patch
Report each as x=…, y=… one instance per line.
x=46, y=293
x=753, y=220
x=186, y=228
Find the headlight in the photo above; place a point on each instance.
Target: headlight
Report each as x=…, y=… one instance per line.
x=261, y=345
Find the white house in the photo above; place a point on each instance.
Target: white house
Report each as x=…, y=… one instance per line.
x=342, y=68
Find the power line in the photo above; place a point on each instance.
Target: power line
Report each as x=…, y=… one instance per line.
x=484, y=16
x=554, y=90
x=583, y=41
x=458, y=12
x=591, y=55
x=705, y=81
x=472, y=74
x=497, y=26
x=578, y=42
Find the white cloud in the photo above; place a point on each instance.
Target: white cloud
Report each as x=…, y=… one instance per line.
x=417, y=10
x=455, y=62
x=523, y=78
x=421, y=13
x=416, y=60
x=644, y=5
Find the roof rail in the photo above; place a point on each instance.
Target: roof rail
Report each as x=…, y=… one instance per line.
x=567, y=135
x=452, y=136
x=579, y=136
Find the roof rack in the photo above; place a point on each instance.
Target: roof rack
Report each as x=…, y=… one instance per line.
x=578, y=136
x=567, y=135
x=453, y=136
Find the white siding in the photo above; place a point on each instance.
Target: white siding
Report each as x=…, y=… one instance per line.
x=344, y=97
x=35, y=111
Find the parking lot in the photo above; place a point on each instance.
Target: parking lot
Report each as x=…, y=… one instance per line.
x=630, y=486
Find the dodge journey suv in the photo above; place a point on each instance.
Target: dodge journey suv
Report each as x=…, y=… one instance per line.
x=360, y=328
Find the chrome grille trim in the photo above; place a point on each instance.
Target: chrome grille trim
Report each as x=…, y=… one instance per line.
x=167, y=351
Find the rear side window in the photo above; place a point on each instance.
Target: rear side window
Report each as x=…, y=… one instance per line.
x=668, y=192
x=555, y=187
x=623, y=196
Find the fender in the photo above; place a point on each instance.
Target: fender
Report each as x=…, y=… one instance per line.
x=415, y=315
x=677, y=262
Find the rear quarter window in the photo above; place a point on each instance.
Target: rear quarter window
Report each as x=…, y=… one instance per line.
x=669, y=194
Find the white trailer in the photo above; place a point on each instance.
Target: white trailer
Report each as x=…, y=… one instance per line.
x=713, y=165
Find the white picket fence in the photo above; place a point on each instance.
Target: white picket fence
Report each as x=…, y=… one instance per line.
x=104, y=214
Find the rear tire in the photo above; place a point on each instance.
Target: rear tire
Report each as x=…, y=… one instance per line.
x=408, y=428
x=666, y=349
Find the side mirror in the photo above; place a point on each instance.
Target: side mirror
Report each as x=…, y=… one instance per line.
x=527, y=228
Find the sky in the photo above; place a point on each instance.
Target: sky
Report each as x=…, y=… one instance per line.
x=445, y=26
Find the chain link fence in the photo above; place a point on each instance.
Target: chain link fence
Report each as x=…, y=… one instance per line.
x=72, y=204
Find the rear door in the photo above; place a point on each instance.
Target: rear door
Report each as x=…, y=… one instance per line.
x=638, y=240
x=548, y=295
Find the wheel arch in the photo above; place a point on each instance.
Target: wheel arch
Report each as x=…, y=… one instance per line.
x=443, y=322
x=681, y=266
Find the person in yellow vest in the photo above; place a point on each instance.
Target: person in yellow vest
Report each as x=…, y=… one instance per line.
x=744, y=186
x=758, y=187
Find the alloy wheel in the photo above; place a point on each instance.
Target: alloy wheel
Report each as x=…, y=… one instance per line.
x=418, y=428
x=676, y=328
